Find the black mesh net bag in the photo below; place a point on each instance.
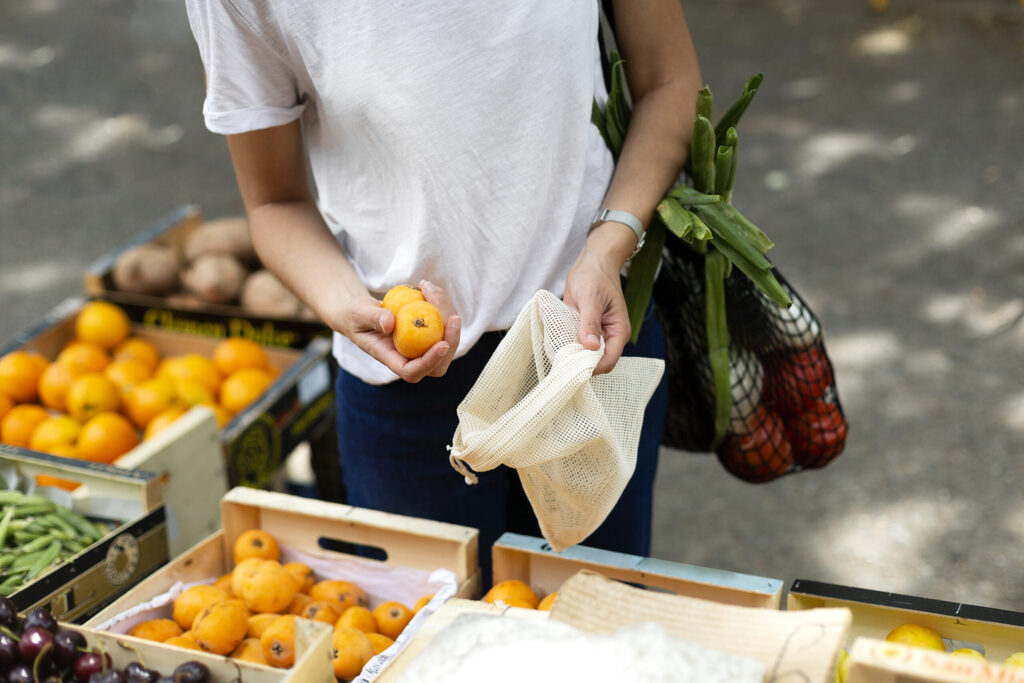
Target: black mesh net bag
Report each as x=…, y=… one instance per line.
x=786, y=415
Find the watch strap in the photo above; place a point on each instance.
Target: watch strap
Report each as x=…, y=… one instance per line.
x=627, y=219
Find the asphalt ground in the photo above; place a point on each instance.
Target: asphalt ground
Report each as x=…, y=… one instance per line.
x=882, y=155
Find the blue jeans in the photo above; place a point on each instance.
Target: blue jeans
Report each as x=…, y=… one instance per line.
x=392, y=439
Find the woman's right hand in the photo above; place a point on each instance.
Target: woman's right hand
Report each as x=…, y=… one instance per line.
x=369, y=326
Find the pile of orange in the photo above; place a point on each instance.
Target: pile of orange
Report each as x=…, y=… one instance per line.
x=418, y=323
x=516, y=593
x=108, y=388
x=250, y=612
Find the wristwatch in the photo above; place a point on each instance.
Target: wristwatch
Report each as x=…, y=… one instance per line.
x=627, y=219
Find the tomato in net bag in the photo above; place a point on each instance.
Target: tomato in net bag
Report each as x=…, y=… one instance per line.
x=537, y=407
x=786, y=415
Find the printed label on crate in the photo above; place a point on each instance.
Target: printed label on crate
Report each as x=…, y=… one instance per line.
x=207, y=325
x=255, y=454
x=868, y=657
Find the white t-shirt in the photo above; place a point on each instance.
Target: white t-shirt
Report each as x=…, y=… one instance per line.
x=448, y=141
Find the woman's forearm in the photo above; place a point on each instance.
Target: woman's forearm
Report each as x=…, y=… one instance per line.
x=293, y=241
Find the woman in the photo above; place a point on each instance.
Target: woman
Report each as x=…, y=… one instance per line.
x=450, y=146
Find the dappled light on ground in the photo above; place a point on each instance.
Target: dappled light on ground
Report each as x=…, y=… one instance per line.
x=31, y=277
x=25, y=59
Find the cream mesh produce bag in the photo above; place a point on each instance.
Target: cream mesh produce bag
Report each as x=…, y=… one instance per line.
x=538, y=408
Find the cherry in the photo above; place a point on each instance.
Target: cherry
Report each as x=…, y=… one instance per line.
x=40, y=617
x=32, y=642
x=191, y=672
x=91, y=662
x=67, y=646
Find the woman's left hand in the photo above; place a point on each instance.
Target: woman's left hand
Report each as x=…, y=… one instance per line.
x=593, y=288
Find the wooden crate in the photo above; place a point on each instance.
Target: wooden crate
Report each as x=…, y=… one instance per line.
x=196, y=461
x=997, y=633
x=532, y=560
x=94, y=577
x=207, y=320
x=312, y=656
x=879, y=661
x=309, y=525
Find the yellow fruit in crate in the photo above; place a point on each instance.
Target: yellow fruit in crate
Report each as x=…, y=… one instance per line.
x=140, y=350
x=379, y=641
x=549, y=599
x=242, y=571
x=17, y=425
x=343, y=592
x=162, y=421
x=156, y=629
x=358, y=617
x=106, y=437
x=148, y=399
x=322, y=610
x=53, y=432
x=102, y=323
x=92, y=394
x=193, y=600
x=5, y=405
x=968, y=652
x=125, y=374
x=1015, y=660
x=192, y=393
x=278, y=642
x=243, y=387
x=510, y=589
x=916, y=635
x=224, y=583
x=19, y=375
x=54, y=384
x=299, y=603
x=231, y=355
x=191, y=366
x=185, y=640
x=255, y=543
x=84, y=357
x=258, y=623
x=270, y=588
x=352, y=650
x=250, y=650
x=392, y=617
x=421, y=603
x=303, y=574
x=221, y=627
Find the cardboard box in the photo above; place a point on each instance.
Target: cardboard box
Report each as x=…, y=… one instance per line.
x=531, y=559
x=798, y=646
x=312, y=656
x=90, y=580
x=197, y=462
x=323, y=534
x=996, y=633
x=174, y=315
x=878, y=661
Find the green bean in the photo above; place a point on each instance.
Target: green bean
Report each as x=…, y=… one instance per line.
x=11, y=584
x=80, y=523
x=5, y=524
x=45, y=558
x=25, y=561
x=32, y=509
x=10, y=496
x=38, y=543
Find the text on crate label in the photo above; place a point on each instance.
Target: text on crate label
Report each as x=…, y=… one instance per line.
x=264, y=333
